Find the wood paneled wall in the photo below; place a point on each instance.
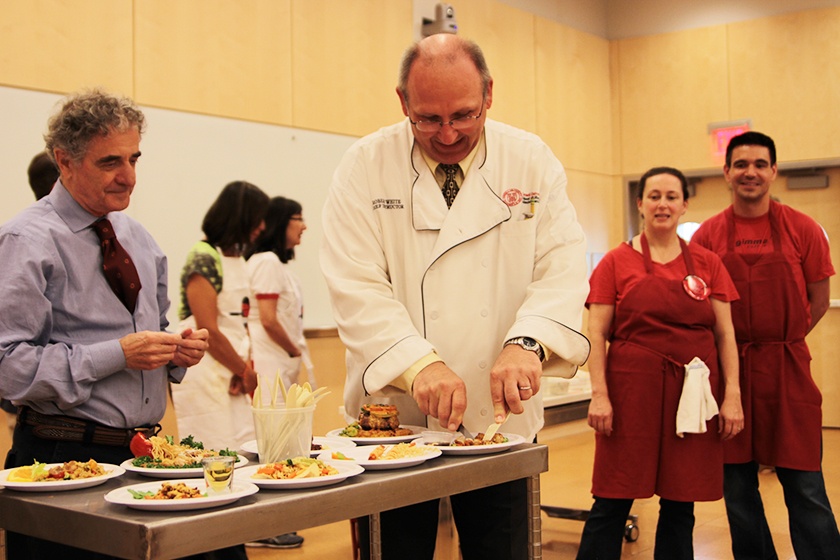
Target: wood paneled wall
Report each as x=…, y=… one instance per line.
x=608, y=109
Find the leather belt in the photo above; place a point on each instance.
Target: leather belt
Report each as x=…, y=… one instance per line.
x=64, y=428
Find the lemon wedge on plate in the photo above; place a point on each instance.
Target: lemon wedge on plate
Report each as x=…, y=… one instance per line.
x=21, y=474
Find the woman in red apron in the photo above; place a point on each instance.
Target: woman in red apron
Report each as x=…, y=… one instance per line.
x=660, y=305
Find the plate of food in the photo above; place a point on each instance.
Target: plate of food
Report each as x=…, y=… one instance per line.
x=57, y=477
x=161, y=457
x=177, y=495
x=477, y=446
x=319, y=444
x=300, y=472
x=383, y=456
x=377, y=424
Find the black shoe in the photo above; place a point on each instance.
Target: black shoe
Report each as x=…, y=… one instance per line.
x=287, y=540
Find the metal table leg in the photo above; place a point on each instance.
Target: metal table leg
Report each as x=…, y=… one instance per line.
x=375, y=537
x=534, y=519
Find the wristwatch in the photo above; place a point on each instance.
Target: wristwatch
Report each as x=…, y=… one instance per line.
x=528, y=343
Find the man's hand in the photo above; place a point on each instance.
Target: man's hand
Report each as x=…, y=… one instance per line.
x=515, y=377
x=191, y=348
x=440, y=393
x=149, y=349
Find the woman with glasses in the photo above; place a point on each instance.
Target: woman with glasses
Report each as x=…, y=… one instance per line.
x=276, y=319
x=663, y=307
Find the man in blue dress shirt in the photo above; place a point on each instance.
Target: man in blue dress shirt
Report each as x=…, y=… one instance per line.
x=84, y=370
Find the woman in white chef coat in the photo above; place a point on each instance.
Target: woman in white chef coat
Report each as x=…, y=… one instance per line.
x=276, y=318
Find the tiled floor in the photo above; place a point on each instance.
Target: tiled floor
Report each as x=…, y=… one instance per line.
x=567, y=484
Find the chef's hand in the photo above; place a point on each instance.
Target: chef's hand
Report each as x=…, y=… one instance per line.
x=440, y=393
x=191, y=348
x=600, y=415
x=515, y=377
x=149, y=349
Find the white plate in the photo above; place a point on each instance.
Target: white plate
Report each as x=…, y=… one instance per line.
x=111, y=471
x=360, y=455
x=513, y=439
x=346, y=469
x=196, y=472
x=326, y=443
x=416, y=431
x=121, y=496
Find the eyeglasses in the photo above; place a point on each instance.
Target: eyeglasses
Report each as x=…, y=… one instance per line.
x=296, y=218
x=461, y=123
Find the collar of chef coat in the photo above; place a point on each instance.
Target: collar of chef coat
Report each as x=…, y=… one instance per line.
x=476, y=210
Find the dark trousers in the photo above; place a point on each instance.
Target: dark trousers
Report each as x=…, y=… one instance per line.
x=492, y=524
x=813, y=529
x=26, y=449
x=603, y=532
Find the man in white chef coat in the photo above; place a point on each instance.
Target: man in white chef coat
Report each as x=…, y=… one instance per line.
x=450, y=286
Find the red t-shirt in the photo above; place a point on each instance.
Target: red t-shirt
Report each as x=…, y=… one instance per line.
x=804, y=242
x=623, y=267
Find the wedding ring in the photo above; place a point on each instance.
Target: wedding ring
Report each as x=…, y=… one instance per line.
x=525, y=388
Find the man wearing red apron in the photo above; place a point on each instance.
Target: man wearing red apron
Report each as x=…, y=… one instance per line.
x=779, y=260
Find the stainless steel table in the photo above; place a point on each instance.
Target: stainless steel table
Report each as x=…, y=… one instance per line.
x=82, y=518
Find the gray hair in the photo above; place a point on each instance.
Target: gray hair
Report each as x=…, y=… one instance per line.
x=87, y=115
x=465, y=46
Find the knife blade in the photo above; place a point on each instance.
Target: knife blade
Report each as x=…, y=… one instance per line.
x=466, y=433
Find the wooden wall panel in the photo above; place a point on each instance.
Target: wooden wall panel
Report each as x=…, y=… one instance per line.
x=597, y=199
x=506, y=35
x=230, y=59
x=60, y=46
x=573, y=96
x=672, y=86
x=785, y=75
x=346, y=63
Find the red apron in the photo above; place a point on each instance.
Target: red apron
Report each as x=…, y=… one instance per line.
x=657, y=329
x=782, y=404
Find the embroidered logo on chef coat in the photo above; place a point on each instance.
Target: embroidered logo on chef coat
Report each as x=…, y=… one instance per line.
x=515, y=197
x=388, y=203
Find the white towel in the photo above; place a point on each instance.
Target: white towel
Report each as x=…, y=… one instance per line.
x=697, y=403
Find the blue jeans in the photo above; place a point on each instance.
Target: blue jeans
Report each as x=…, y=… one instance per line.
x=813, y=529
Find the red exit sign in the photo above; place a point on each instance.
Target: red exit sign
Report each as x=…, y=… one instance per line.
x=722, y=133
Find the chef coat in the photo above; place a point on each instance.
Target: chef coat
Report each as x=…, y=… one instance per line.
x=408, y=276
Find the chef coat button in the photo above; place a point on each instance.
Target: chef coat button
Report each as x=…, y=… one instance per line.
x=433, y=315
x=482, y=364
x=484, y=313
x=483, y=412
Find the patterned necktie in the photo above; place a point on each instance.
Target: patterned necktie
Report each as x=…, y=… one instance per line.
x=450, y=185
x=116, y=263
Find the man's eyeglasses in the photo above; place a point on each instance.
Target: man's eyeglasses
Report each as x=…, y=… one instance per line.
x=461, y=123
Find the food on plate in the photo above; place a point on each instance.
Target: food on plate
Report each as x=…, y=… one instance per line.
x=163, y=453
x=339, y=456
x=398, y=451
x=376, y=420
x=169, y=491
x=71, y=470
x=299, y=467
x=462, y=441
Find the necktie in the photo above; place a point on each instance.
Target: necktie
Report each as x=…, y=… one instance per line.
x=116, y=263
x=450, y=185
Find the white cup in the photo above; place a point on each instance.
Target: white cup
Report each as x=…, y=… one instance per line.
x=283, y=433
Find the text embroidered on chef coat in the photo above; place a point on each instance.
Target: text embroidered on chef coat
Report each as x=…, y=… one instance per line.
x=388, y=203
